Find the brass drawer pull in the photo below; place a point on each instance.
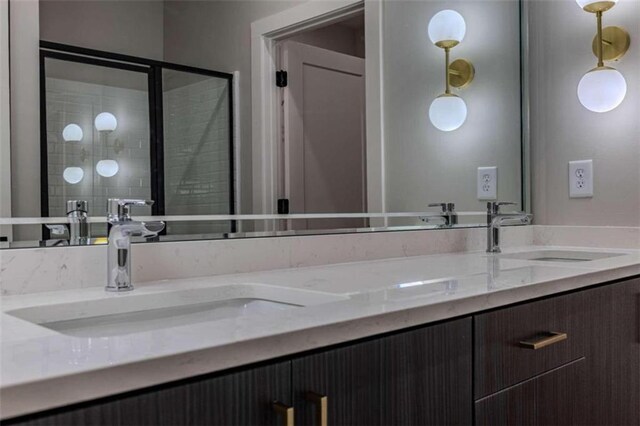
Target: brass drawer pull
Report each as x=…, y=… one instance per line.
x=545, y=341
x=285, y=411
x=321, y=402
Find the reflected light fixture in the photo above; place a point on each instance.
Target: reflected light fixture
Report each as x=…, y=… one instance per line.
x=603, y=88
x=72, y=133
x=449, y=111
x=105, y=122
x=73, y=175
x=107, y=168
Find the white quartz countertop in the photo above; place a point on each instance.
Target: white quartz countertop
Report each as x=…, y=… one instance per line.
x=41, y=368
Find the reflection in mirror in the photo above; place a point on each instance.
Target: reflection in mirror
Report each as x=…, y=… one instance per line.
x=225, y=107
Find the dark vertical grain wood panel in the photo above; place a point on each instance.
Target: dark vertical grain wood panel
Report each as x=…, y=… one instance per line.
x=349, y=376
x=427, y=376
x=554, y=398
x=500, y=360
x=613, y=353
x=242, y=398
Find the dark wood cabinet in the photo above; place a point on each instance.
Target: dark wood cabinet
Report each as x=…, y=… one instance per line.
x=349, y=377
x=592, y=377
x=418, y=377
x=242, y=398
x=613, y=353
x=501, y=360
x=427, y=376
x=557, y=398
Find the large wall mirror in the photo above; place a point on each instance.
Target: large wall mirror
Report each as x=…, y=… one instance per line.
x=358, y=114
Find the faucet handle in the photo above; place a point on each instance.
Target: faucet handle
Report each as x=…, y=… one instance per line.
x=77, y=206
x=494, y=206
x=446, y=207
x=442, y=206
x=118, y=208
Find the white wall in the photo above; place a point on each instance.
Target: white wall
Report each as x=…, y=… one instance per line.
x=562, y=130
x=425, y=165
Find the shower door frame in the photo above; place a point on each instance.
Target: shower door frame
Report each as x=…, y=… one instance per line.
x=153, y=69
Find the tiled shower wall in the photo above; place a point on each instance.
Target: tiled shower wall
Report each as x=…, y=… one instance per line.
x=79, y=103
x=196, y=151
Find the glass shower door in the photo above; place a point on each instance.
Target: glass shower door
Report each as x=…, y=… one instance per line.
x=97, y=136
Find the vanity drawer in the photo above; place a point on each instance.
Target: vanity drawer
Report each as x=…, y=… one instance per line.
x=517, y=343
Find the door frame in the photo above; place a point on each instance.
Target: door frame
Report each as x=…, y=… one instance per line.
x=265, y=33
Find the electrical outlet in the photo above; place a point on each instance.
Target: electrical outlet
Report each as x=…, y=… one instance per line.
x=581, y=179
x=487, y=183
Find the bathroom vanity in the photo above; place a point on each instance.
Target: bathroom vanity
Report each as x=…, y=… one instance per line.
x=537, y=335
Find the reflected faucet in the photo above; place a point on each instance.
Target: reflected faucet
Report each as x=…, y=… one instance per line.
x=78, y=226
x=448, y=216
x=495, y=220
x=119, y=250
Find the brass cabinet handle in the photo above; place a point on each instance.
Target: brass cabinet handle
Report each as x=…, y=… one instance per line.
x=321, y=402
x=554, y=337
x=285, y=411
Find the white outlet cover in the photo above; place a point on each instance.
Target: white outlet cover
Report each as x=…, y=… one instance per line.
x=487, y=183
x=581, y=179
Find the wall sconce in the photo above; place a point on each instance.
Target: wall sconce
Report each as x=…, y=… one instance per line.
x=105, y=122
x=449, y=111
x=107, y=168
x=73, y=175
x=603, y=88
x=72, y=133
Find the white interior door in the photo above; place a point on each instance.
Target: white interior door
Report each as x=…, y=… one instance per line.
x=324, y=134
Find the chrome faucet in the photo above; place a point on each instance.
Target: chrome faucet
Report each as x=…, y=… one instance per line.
x=448, y=216
x=495, y=220
x=78, y=226
x=119, y=250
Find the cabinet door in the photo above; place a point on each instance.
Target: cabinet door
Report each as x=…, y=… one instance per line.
x=613, y=354
x=553, y=398
x=242, y=398
x=349, y=377
x=419, y=377
x=501, y=360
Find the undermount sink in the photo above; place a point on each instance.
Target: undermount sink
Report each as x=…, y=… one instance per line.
x=131, y=313
x=560, y=256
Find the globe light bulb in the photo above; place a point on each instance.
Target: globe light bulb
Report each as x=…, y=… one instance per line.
x=447, y=26
x=448, y=112
x=105, y=122
x=107, y=168
x=72, y=133
x=73, y=175
x=596, y=5
x=602, y=89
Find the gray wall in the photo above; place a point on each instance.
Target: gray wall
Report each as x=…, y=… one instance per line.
x=217, y=35
x=423, y=164
x=129, y=27
x=563, y=130
x=338, y=38
x=25, y=113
